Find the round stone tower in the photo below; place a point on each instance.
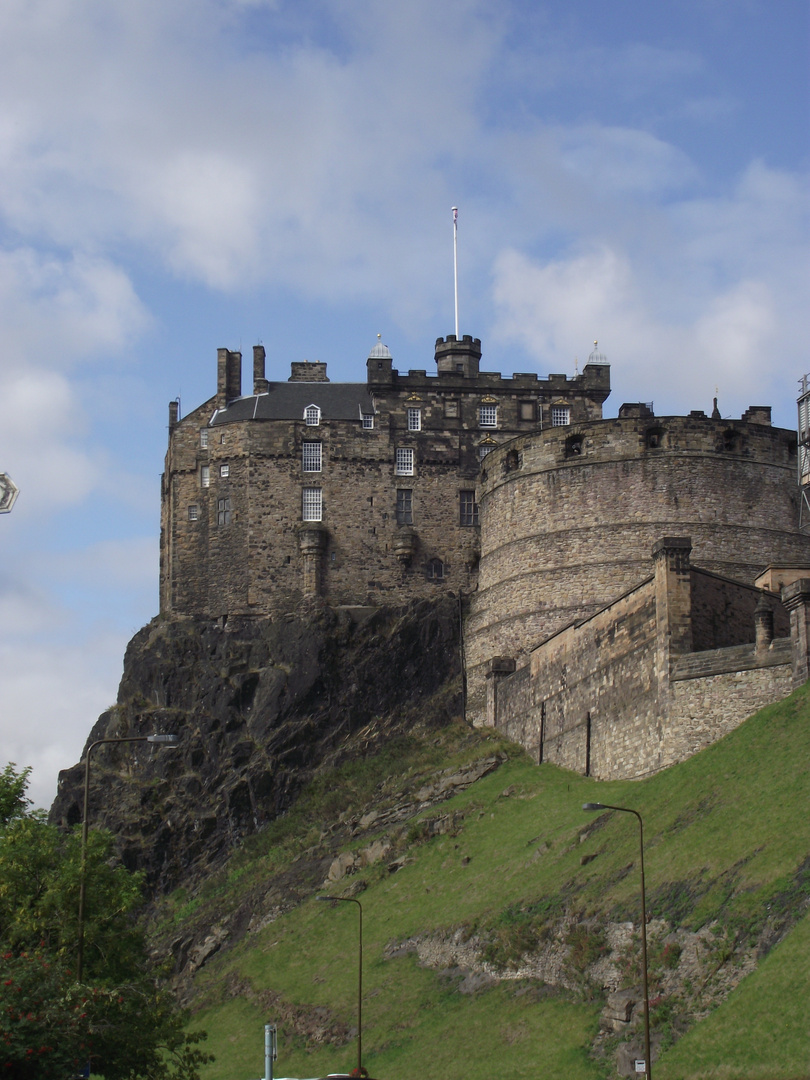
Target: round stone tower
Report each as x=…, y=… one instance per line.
x=569, y=516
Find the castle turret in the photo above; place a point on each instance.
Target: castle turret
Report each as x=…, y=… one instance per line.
x=454, y=357
x=379, y=365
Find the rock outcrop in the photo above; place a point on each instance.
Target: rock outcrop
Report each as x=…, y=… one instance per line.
x=258, y=705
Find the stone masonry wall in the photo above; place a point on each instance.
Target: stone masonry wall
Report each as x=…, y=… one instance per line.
x=723, y=612
x=568, y=517
x=233, y=540
x=623, y=694
x=586, y=681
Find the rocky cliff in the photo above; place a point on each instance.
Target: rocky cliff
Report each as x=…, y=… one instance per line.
x=257, y=705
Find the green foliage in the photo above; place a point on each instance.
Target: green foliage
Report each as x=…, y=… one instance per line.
x=39, y=896
x=119, y=1020
x=14, y=802
x=51, y=1026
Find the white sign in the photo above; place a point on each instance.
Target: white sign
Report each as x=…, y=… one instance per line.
x=641, y=1066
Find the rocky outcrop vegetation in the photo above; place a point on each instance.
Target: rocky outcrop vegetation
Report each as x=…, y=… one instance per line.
x=258, y=706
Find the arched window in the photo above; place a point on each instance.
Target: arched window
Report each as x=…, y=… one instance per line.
x=435, y=570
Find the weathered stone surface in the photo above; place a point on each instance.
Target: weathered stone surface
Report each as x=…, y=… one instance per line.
x=257, y=704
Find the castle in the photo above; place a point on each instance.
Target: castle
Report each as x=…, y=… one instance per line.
x=595, y=555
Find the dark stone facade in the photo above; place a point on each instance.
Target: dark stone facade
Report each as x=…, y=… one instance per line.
x=390, y=469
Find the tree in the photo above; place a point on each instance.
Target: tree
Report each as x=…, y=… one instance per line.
x=120, y=1019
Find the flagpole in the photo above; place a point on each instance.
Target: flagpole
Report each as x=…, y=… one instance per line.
x=455, y=261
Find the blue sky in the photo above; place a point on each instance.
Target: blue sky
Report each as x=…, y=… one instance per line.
x=180, y=175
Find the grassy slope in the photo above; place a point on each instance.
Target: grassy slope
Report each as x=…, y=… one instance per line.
x=726, y=835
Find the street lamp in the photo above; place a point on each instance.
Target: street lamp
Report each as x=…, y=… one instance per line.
x=352, y=900
x=627, y=810
x=165, y=740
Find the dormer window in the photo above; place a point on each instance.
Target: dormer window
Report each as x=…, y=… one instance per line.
x=312, y=416
x=368, y=420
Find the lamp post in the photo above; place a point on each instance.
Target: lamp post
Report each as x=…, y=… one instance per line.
x=165, y=740
x=352, y=900
x=627, y=810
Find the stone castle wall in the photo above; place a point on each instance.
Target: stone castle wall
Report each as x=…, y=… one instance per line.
x=623, y=694
x=568, y=518
x=233, y=536
x=525, y=502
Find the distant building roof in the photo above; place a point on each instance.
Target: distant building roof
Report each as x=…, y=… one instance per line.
x=287, y=401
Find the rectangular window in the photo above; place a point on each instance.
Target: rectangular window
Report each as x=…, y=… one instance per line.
x=312, y=505
x=312, y=456
x=205, y=476
x=527, y=410
x=560, y=415
x=224, y=470
x=368, y=420
x=193, y=512
x=414, y=419
x=312, y=416
x=404, y=506
x=488, y=415
x=223, y=511
x=203, y=439
x=468, y=508
x=404, y=461
x=484, y=450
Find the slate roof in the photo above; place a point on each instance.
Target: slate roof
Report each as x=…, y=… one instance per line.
x=287, y=401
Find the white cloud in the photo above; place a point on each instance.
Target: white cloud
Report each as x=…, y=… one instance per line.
x=57, y=310
x=55, y=696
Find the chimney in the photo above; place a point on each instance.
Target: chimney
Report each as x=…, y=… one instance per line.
x=260, y=385
x=229, y=377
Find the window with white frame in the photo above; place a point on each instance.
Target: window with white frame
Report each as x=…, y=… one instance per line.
x=368, y=420
x=404, y=461
x=484, y=449
x=223, y=511
x=312, y=504
x=224, y=470
x=193, y=512
x=404, y=506
x=560, y=415
x=312, y=456
x=312, y=415
x=204, y=439
x=205, y=476
x=468, y=508
x=487, y=415
x=414, y=419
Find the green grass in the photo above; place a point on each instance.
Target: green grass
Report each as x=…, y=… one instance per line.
x=727, y=837
x=762, y=1031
